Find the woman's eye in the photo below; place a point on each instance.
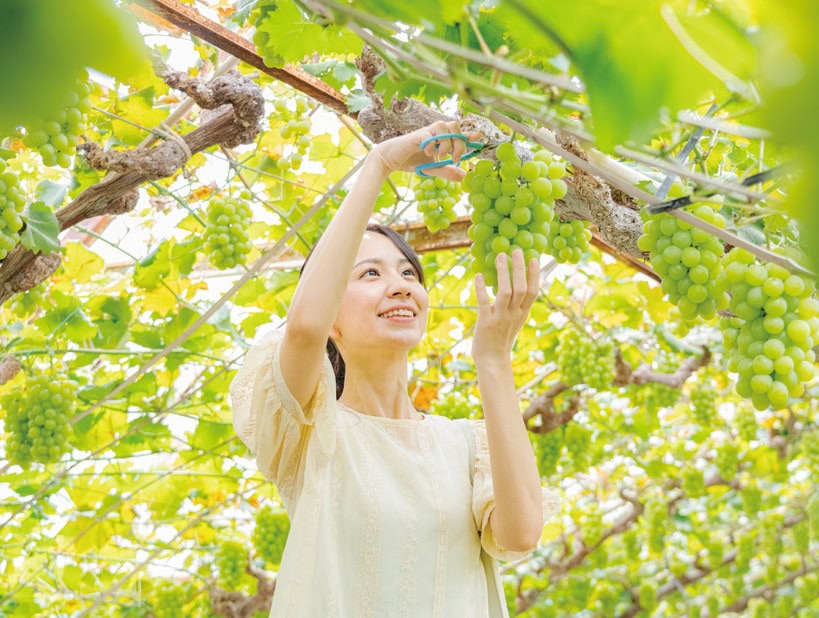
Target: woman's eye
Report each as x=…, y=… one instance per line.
x=370, y=271
x=410, y=272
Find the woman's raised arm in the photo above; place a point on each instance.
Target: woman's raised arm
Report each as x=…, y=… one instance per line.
x=318, y=295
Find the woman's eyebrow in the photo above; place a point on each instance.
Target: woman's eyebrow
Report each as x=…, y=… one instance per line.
x=380, y=262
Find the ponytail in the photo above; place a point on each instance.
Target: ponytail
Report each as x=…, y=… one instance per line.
x=339, y=368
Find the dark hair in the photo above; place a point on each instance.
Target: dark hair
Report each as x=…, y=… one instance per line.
x=339, y=368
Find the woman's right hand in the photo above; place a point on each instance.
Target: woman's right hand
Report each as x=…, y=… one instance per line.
x=404, y=154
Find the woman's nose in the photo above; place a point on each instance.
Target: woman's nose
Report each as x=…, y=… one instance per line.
x=399, y=286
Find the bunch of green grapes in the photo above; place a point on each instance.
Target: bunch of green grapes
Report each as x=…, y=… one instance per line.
x=727, y=460
x=38, y=418
x=270, y=534
x=801, y=536
x=752, y=497
x=745, y=551
x=583, y=360
x=436, y=202
x=771, y=339
x=687, y=260
x=784, y=604
x=745, y=423
x=703, y=398
x=715, y=552
x=231, y=560
x=56, y=139
x=453, y=404
x=631, y=544
x=655, y=396
x=226, y=234
x=11, y=210
x=547, y=447
x=296, y=127
x=605, y=597
x=577, y=438
x=569, y=239
x=656, y=516
x=168, y=600
x=647, y=594
x=807, y=589
x=26, y=303
x=759, y=608
x=592, y=527
x=513, y=206
x=770, y=535
x=693, y=481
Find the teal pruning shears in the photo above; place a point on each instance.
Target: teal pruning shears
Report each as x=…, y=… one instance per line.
x=473, y=148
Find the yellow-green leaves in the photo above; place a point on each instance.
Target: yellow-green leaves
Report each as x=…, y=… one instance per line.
x=634, y=56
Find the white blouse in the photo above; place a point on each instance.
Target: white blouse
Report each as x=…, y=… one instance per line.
x=384, y=518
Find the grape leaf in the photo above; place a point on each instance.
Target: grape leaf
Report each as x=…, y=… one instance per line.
x=292, y=36
x=41, y=234
x=357, y=100
x=630, y=60
x=51, y=193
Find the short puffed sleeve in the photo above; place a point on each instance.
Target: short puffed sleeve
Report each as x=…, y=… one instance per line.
x=483, y=498
x=269, y=420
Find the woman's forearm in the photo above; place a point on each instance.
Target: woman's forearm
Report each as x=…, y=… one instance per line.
x=517, y=520
x=318, y=295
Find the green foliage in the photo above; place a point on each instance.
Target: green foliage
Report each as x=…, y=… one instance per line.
x=51, y=42
x=656, y=482
x=42, y=229
x=285, y=34
x=626, y=87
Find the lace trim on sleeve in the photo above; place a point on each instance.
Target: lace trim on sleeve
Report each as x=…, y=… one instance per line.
x=483, y=499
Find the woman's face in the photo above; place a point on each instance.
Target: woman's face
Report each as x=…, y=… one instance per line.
x=385, y=305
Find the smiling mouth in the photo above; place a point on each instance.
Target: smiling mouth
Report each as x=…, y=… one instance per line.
x=398, y=313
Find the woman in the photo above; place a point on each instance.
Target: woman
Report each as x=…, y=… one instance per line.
x=385, y=520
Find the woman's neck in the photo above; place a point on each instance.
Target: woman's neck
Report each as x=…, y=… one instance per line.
x=378, y=388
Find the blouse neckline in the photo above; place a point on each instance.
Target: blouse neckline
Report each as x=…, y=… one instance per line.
x=387, y=421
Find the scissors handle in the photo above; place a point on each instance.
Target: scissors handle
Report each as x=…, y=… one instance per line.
x=476, y=147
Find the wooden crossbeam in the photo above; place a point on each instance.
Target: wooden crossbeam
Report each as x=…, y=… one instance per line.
x=190, y=20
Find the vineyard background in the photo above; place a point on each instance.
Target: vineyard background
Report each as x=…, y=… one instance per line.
x=680, y=497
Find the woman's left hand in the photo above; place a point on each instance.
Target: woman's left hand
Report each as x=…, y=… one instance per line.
x=499, y=323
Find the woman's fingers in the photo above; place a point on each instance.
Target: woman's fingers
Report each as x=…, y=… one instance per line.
x=504, y=284
x=481, y=294
x=519, y=287
x=533, y=282
x=448, y=172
